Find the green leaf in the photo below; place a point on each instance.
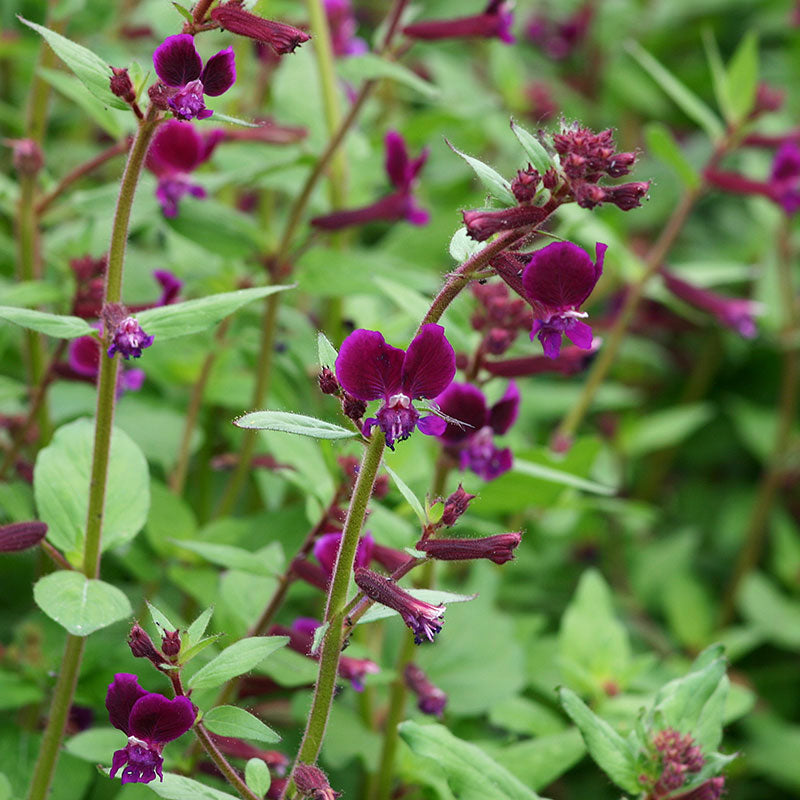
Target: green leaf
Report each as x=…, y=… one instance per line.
x=665, y=428
x=462, y=247
x=286, y=422
x=217, y=228
x=267, y=561
x=61, y=487
x=742, y=77
x=688, y=101
x=242, y=123
x=661, y=143
x=193, y=316
x=196, y=630
x=537, y=154
x=497, y=186
x=608, y=749
x=184, y=12
x=435, y=597
x=176, y=787
x=370, y=66
x=235, y=721
x=30, y=293
x=326, y=352
x=185, y=656
x=61, y=327
x=93, y=72
x=161, y=620
x=470, y=773
x=96, y=745
x=257, y=777
x=235, y=660
x=79, y=604
x=559, y=476
x=719, y=79
x=774, y=614
x=5, y=788
x=410, y=497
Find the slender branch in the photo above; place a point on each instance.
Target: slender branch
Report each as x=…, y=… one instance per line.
x=55, y=555
x=231, y=775
x=337, y=599
x=200, y=10
x=82, y=169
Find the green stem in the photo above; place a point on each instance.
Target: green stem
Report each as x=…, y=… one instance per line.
x=57, y=720
x=608, y=352
x=231, y=775
x=337, y=600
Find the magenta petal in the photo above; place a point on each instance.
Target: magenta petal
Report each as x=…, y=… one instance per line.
x=786, y=164
x=219, y=73
x=559, y=276
x=466, y=403
x=397, y=165
x=430, y=363
x=177, y=61
x=580, y=334
x=503, y=414
x=599, y=258
x=326, y=551
x=84, y=356
x=119, y=759
x=156, y=719
x=177, y=147
x=416, y=215
x=366, y=544
x=432, y=425
x=551, y=342
x=122, y=695
x=367, y=367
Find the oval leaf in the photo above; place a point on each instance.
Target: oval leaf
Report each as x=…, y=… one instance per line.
x=60, y=327
x=257, y=777
x=286, y=422
x=79, y=604
x=235, y=660
x=235, y=721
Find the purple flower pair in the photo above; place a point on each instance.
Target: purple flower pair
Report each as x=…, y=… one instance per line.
x=177, y=150
x=149, y=721
x=369, y=369
x=399, y=205
x=473, y=442
x=556, y=282
x=179, y=66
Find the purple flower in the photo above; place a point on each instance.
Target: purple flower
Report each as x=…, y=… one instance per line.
x=560, y=39
x=494, y=22
x=170, y=285
x=21, y=536
x=399, y=205
x=180, y=67
x=312, y=783
x=129, y=339
x=430, y=699
x=424, y=619
x=149, y=721
x=282, y=38
x=498, y=548
x=84, y=360
x=733, y=312
x=481, y=224
x=178, y=150
x=473, y=442
x=342, y=26
x=557, y=280
x=370, y=369
x=326, y=550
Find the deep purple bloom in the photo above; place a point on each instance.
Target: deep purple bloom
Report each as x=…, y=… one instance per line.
x=176, y=151
x=430, y=699
x=180, y=67
x=342, y=26
x=473, y=442
x=326, y=550
x=424, y=619
x=149, y=721
x=498, y=548
x=370, y=369
x=399, y=205
x=494, y=22
x=557, y=280
x=84, y=361
x=129, y=339
x=733, y=312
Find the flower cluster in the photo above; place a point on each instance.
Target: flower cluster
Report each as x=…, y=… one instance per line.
x=400, y=204
x=149, y=721
x=369, y=369
x=680, y=758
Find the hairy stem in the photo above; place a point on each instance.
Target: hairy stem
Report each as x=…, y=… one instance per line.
x=337, y=600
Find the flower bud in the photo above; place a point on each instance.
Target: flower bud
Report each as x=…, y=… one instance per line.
x=142, y=645
x=524, y=185
x=159, y=96
x=499, y=548
x=312, y=783
x=21, y=536
x=456, y=505
x=431, y=699
x=483, y=224
x=171, y=643
x=27, y=156
x=327, y=382
x=280, y=37
x=550, y=179
x=352, y=407
x=628, y=195
x=121, y=85
x=620, y=164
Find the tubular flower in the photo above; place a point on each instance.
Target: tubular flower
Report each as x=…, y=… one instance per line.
x=129, y=339
x=179, y=66
x=282, y=38
x=149, y=721
x=178, y=150
x=557, y=280
x=430, y=699
x=342, y=25
x=498, y=548
x=21, y=536
x=494, y=23
x=424, y=619
x=326, y=550
x=473, y=442
x=369, y=369
x=399, y=205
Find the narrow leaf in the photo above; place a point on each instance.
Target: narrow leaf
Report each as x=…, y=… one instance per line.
x=742, y=77
x=497, y=186
x=370, y=66
x=235, y=660
x=326, y=352
x=235, y=721
x=160, y=619
x=196, y=630
x=61, y=327
x=286, y=422
x=539, y=157
x=661, y=143
x=267, y=561
x=558, y=476
x=410, y=497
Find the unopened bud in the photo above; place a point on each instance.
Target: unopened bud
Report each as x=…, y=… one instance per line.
x=550, y=179
x=280, y=37
x=483, y=224
x=312, y=783
x=628, y=195
x=21, y=536
x=121, y=85
x=27, y=158
x=456, y=505
x=620, y=164
x=499, y=548
x=159, y=96
x=327, y=382
x=352, y=407
x=142, y=645
x=524, y=185
x=171, y=643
